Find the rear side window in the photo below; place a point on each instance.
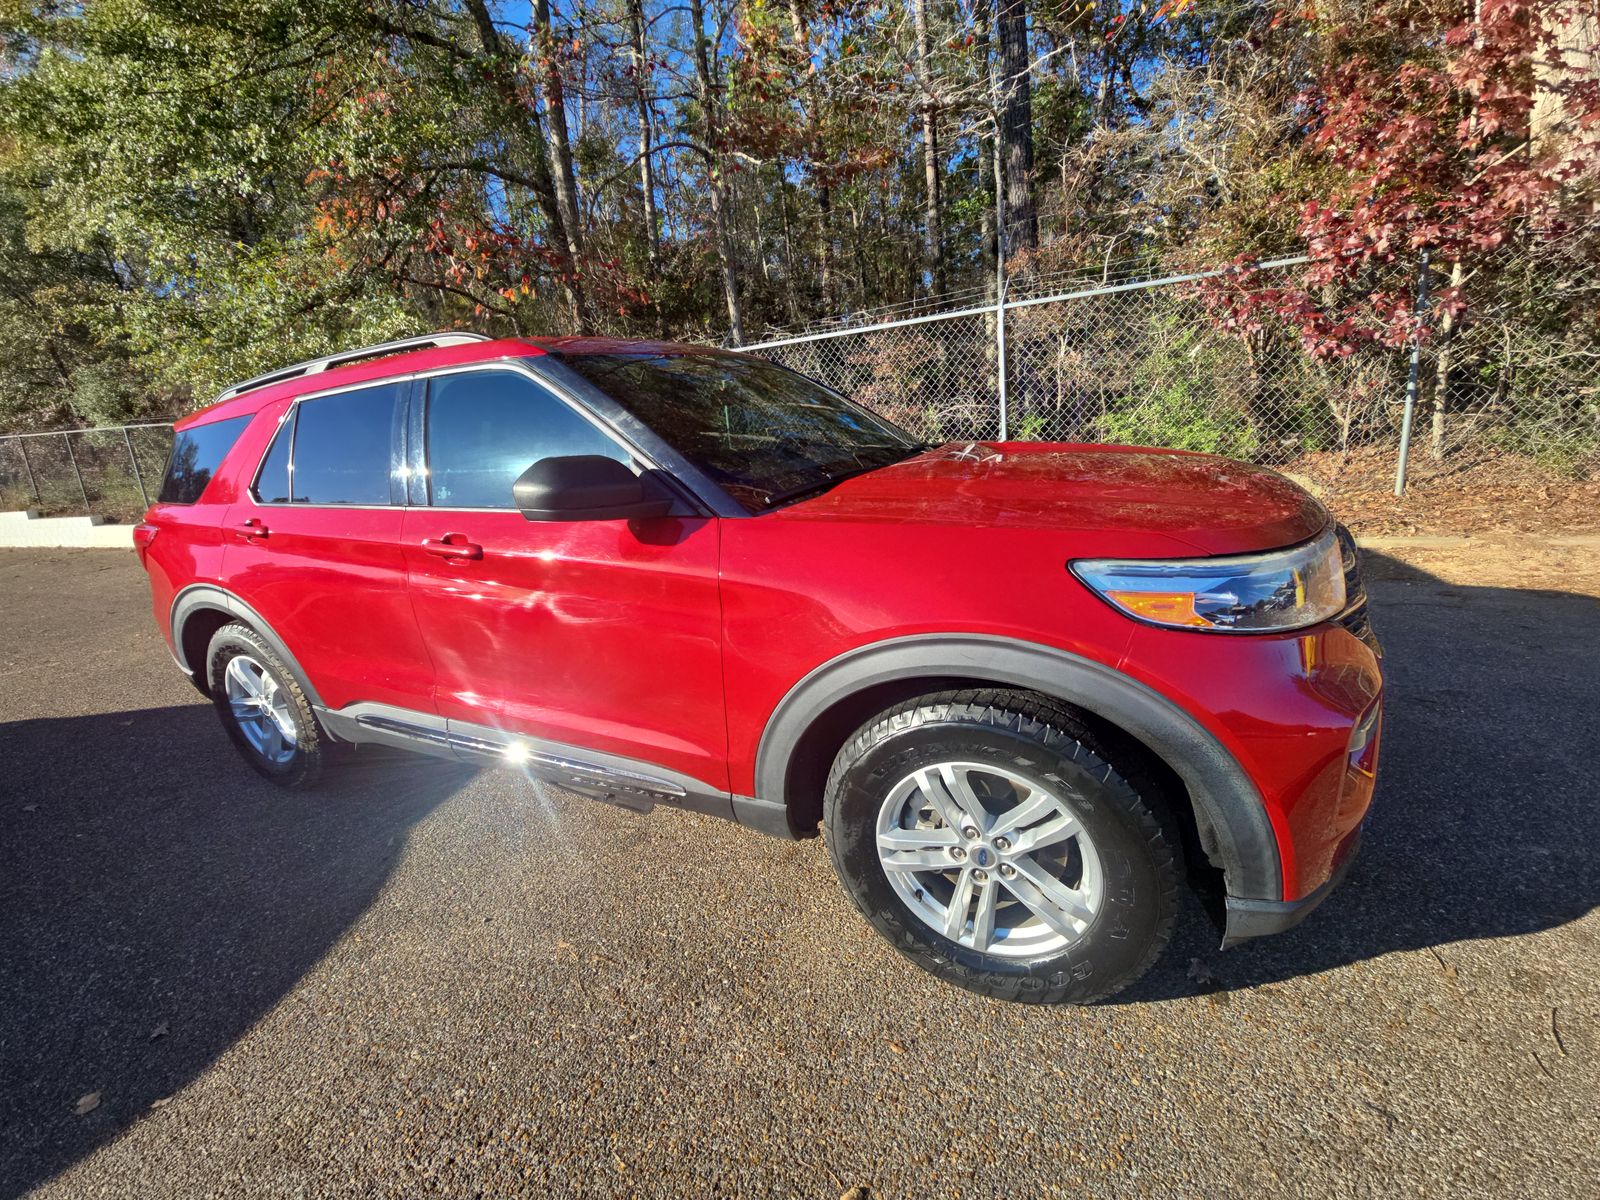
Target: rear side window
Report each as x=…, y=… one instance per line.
x=485, y=428
x=341, y=448
x=272, y=484
x=197, y=452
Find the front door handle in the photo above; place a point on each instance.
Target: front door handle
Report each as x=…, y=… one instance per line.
x=251, y=530
x=452, y=545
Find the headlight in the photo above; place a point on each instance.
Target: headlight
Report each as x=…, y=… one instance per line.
x=1246, y=593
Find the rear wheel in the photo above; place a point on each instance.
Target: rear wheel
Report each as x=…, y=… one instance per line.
x=1000, y=845
x=263, y=707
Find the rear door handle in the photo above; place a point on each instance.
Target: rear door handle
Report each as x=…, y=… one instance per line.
x=251, y=530
x=452, y=545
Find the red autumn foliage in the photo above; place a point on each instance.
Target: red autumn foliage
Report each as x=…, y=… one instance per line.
x=1432, y=127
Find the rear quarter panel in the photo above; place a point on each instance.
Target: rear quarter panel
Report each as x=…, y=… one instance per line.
x=189, y=544
x=187, y=549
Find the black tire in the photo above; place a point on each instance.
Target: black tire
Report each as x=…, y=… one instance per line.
x=1114, y=799
x=304, y=765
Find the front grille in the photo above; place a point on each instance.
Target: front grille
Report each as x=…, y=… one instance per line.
x=1355, y=617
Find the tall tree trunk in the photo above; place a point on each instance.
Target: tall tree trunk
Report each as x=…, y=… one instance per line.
x=1438, y=442
x=819, y=179
x=542, y=185
x=1002, y=213
x=647, y=169
x=790, y=296
x=825, y=272
x=932, y=229
x=1016, y=126
x=858, y=251
x=555, y=111
x=988, y=153
x=711, y=106
x=1572, y=57
x=761, y=236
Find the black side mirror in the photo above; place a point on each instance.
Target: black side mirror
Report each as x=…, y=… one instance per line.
x=588, y=487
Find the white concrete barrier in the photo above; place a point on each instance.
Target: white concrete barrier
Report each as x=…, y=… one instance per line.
x=19, y=529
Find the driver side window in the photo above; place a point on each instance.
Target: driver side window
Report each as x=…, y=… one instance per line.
x=485, y=428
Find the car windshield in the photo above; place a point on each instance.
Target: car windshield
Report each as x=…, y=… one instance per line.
x=766, y=434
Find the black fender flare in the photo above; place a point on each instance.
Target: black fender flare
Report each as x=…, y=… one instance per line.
x=198, y=597
x=1234, y=827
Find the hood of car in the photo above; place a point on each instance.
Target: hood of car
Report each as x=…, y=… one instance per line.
x=1209, y=504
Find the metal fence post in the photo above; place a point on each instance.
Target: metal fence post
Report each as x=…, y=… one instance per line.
x=1000, y=285
x=133, y=460
x=1000, y=353
x=27, y=467
x=1412, y=378
x=73, y=458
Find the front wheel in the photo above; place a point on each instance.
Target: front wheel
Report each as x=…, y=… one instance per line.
x=999, y=844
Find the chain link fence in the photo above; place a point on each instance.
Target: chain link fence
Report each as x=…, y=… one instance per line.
x=1510, y=392
x=1514, y=389
x=1518, y=383
x=112, y=472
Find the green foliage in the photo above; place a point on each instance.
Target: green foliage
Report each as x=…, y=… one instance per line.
x=1033, y=427
x=167, y=149
x=1186, y=394
x=57, y=371
x=1179, y=418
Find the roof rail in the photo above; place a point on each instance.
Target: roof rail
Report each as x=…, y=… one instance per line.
x=345, y=358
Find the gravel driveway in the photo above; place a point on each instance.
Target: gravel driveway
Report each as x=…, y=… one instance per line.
x=427, y=981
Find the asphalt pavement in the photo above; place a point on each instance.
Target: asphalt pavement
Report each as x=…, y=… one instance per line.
x=421, y=981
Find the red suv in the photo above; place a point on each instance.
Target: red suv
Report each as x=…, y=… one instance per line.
x=1029, y=692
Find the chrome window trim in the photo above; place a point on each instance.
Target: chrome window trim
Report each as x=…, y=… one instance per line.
x=255, y=480
x=514, y=366
x=701, y=492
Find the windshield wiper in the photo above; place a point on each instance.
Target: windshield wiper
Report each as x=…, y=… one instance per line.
x=838, y=472
x=816, y=485
x=830, y=476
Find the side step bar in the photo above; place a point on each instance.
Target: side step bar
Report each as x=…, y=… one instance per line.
x=600, y=777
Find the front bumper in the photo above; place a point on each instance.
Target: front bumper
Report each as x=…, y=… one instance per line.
x=1248, y=919
x=1302, y=716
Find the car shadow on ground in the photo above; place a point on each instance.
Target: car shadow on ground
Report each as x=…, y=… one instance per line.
x=157, y=898
x=1485, y=819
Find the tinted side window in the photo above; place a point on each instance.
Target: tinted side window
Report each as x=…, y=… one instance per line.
x=486, y=428
x=272, y=484
x=341, y=447
x=197, y=452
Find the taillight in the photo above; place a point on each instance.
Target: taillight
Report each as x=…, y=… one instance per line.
x=143, y=535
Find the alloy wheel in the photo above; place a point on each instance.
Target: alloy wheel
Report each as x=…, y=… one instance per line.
x=261, y=709
x=992, y=860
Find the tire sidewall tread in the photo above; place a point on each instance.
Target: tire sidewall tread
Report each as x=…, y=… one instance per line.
x=305, y=768
x=1117, y=800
